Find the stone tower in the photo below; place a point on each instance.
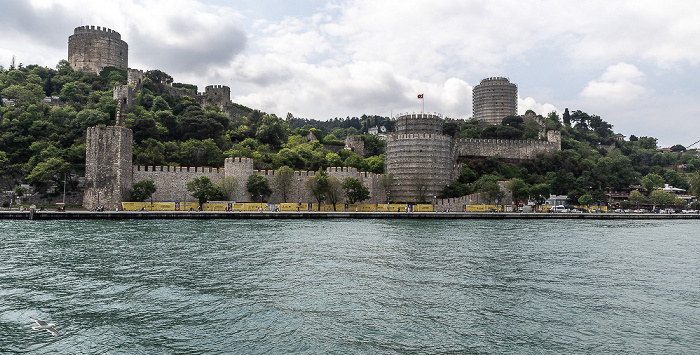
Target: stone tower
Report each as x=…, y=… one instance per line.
x=494, y=99
x=108, y=172
x=92, y=48
x=420, y=158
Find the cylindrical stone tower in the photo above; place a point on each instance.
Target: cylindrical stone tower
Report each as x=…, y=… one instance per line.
x=92, y=48
x=494, y=99
x=419, y=156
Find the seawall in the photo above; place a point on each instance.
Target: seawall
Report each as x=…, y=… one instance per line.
x=86, y=215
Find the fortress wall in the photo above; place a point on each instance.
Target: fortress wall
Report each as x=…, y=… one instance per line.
x=242, y=168
x=124, y=94
x=170, y=180
x=179, y=92
x=504, y=148
x=421, y=165
x=92, y=48
x=356, y=144
x=455, y=204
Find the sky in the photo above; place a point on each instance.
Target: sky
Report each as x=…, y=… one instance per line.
x=636, y=63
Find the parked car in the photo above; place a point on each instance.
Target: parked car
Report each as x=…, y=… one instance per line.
x=559, y=209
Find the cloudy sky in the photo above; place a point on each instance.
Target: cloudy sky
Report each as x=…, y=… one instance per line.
x=634, y=63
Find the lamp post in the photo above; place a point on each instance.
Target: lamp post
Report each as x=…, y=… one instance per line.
x=64, y=188
x=261, y=196
x=98, y=200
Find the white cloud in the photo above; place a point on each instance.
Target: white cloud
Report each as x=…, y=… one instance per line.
x=323, y=59
x=619, y=84
x=530, y=103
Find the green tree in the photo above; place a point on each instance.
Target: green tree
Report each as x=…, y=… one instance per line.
x=637, y=198
x=652, y=181
x=228, y=186
x=540, y=192
x=355, y=190
x=272, y=130
x=585, y=200
x=519, y=189
x=203, y=189
x=46, y=172
x=335, y=191
x=142, y=190
x=661, y=198
x=283, y=181
x=24, y=94
x=694, y=182
x=90, y=118
x=159, y=104
x=258, y=187
x=317, y=186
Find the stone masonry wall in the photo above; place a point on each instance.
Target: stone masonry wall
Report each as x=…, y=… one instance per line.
x=421, y=164
x=92, y=48
x=170, y=180
x=108, y=177
x=493, y=99
x=504, y=148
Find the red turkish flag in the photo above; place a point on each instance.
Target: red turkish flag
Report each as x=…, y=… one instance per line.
x=420, y=96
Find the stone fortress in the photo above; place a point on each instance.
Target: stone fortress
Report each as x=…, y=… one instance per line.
x=493, y=99
x=92, y=48
x=420, y=157
x=217, y=95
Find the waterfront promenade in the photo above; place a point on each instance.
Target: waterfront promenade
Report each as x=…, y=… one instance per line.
x=114, y=215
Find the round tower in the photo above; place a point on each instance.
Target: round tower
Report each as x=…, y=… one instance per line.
x=92, y=48
x=494, y=99
x=420, y=158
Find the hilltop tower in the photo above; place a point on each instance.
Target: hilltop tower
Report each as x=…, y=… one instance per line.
x=494, y=99
x=108, y=173
x=92, y=48
x=420, y=158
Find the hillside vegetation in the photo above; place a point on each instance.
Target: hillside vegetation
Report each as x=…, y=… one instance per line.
x=41, y=143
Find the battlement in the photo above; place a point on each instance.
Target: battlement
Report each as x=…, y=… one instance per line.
x=419, y=123
x=431, y=136
x=505, y=148
x=496, y=80
x=513, y=142
x=177, y=169
x=134, y=77
x=341, y=169
x=102, y=31
x=212, y=87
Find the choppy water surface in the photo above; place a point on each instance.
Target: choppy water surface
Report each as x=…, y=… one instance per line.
x=375, y=286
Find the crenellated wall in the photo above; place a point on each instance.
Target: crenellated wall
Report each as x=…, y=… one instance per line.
x=419, y=123
x=170, y=180
x=505, y=148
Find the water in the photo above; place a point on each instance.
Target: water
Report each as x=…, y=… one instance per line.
x=351, y=287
